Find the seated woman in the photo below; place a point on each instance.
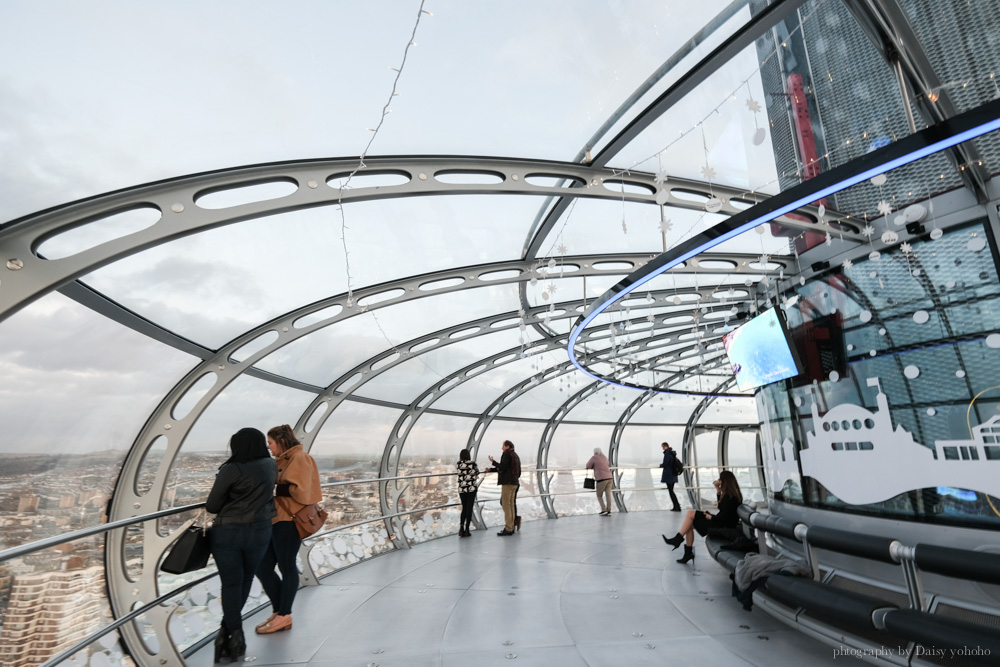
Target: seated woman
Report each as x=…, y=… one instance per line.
x=721, y=523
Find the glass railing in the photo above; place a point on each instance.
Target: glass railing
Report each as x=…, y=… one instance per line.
x=356, y=531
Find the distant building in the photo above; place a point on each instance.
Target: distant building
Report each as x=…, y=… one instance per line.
x=27, y=504
x=50, y=611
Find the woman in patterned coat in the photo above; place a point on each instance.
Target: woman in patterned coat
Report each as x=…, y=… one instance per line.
x=468, y=471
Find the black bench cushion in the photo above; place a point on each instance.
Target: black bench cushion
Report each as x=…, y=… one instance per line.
x=847, y=607
x=938, y=632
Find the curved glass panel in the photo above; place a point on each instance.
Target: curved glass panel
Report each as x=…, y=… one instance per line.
x=433, y=446
x=710, y=36
x=525, y=436
x=713, y=133
x=607, y=405
x=77, y=389
x=477, y=394
x=353, y=438
x=730, y=410
x=412, y=377
x=273, y=265
x=595, y=226
x=640, y=446
x=609, y=48
x=323, y=356
x=247, y=401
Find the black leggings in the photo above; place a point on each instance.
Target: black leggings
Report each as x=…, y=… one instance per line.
x=282, y=551
x=673, y=496
x=468, y=499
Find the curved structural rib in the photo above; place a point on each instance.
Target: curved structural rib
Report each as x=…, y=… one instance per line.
x=967, y=126
x=30, y=276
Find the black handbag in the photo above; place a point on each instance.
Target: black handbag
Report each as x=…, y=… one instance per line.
x=589, y=482
x=189, y=553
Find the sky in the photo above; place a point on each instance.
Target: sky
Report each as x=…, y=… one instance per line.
x=105, y=95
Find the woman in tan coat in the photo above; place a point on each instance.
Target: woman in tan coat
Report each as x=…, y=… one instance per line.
x=298, y=486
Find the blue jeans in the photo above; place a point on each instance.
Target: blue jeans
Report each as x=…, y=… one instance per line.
x=282, y=550
x=238, y=548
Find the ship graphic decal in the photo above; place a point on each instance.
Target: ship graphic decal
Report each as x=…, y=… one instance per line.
x=861, y=458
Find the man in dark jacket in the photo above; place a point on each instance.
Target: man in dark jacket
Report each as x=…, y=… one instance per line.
x=669, y=477
x=508, y=471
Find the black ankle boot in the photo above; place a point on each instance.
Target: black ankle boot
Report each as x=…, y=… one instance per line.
x=221, y=643
x=674, y=541
x=688, y=554
x=237, y=646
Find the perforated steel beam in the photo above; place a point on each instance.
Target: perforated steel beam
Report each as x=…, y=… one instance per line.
x=28, y=276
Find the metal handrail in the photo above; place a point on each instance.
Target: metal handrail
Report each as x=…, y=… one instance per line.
x=132, y=615
x=55, y=541
x=50, y=542
x=121, y=523
x=453, y=474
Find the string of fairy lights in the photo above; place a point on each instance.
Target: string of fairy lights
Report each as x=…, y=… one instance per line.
x=884, y=206
x=547, y=268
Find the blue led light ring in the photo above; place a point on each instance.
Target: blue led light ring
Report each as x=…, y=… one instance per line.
x=944, y=135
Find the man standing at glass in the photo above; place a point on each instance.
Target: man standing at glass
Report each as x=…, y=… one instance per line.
x=508, y=471
x=669, y=477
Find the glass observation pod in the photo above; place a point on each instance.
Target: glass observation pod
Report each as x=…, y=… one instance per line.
x=586, y=231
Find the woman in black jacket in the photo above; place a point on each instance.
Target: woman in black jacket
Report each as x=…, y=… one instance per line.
x=720, y=523
x=242, y=500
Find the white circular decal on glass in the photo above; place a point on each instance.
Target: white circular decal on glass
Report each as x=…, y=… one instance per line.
x=911, y=372
x=865, y=316
x=976, y=244
x=993, y=340
x=931, y=412
x=834, y=376
x=921, y=317
x=960, y=373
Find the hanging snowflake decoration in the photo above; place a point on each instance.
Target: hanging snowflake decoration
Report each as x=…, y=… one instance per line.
x=889, y=237
x=906, y=247
x=829, y=239
x=867, y=231
x=764, y=259
x=666, y=225
x=661, y=177
x=753, y=105
x=552, y=288
x=561, y=249
x=884, y=208
x=650, y=318
x=848, y=264
x=708, y=172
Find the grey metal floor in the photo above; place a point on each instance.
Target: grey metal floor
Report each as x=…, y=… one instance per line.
x=588, y=591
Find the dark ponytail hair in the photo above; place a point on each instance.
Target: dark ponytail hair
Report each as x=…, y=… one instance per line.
x=284, y=436
x=247, y=444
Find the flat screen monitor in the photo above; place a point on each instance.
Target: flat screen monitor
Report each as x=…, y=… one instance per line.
x=760, y=352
